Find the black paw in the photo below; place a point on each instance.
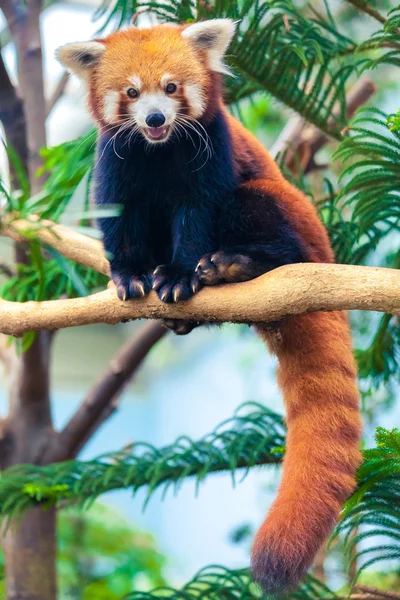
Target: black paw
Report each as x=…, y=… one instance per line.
x=174, y=285
x=224, y=267
x=131, y=285
x=180, y=327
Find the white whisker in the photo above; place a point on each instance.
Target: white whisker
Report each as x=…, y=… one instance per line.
x=189, y=122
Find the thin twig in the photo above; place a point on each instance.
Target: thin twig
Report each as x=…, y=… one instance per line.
x=392, y=595
x=57, y=93
x=367, y=9
x=6, y=270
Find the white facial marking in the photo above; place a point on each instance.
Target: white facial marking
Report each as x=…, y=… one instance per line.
x=110, y=106
x=135, y=82
x=148, y=103
x=196, y=100
x=167, y=78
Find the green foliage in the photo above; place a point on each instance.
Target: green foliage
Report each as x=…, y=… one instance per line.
x=363, y=217
x=370, y=194
x=379, y=362
x=372, y=514
x=51, y=280
x=216, y=582
x=388, y=580
x=66, y=166
x=386, y=41
x=101, y=556
x=50, y=276
x=255, y=435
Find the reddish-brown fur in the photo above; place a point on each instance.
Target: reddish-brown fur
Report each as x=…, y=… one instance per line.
x=317, y=373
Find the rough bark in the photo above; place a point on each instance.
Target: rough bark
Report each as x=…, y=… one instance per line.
x=29, y=549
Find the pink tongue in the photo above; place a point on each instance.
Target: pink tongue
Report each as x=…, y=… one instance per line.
x=156, y=132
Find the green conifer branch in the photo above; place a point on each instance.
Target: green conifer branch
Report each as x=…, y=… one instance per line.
x=386, y=38
x=254, y=436
x=375, y=505
x=371, y=182
x=216, y=582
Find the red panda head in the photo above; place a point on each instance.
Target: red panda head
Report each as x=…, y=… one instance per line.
x=154, y=80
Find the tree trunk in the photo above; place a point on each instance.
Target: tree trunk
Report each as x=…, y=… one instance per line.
x=29, y=550
x=30, y=545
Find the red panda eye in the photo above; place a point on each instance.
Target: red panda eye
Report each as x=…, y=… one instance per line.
x=171, y=88
x=132, y=93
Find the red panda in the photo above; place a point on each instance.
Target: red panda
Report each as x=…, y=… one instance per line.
x=204, y=204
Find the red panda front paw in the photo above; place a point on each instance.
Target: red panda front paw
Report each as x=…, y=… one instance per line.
x=131, y=285
x=224, y=267
x=174, y=285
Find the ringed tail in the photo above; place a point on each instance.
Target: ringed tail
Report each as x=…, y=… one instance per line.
x=317, y=375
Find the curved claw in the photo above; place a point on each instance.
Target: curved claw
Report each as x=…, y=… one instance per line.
x=131, y=285
x=172, y=284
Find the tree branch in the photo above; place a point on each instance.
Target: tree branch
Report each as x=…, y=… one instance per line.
x=367, y=9
x=301, y=141
x=283, y=292
x=57, y=93
x=103, y=395
x=372, y=593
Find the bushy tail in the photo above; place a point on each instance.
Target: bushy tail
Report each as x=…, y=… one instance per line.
x=317, y=375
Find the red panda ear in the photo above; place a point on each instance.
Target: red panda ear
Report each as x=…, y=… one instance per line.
x=214, y=36
x=81, y=57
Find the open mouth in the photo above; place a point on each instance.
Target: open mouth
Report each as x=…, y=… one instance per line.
x=157, y=134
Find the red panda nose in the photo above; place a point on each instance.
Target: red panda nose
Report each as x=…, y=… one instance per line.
x=155, y=120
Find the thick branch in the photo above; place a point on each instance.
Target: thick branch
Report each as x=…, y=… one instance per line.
x=287, y=291
x=104, y=394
